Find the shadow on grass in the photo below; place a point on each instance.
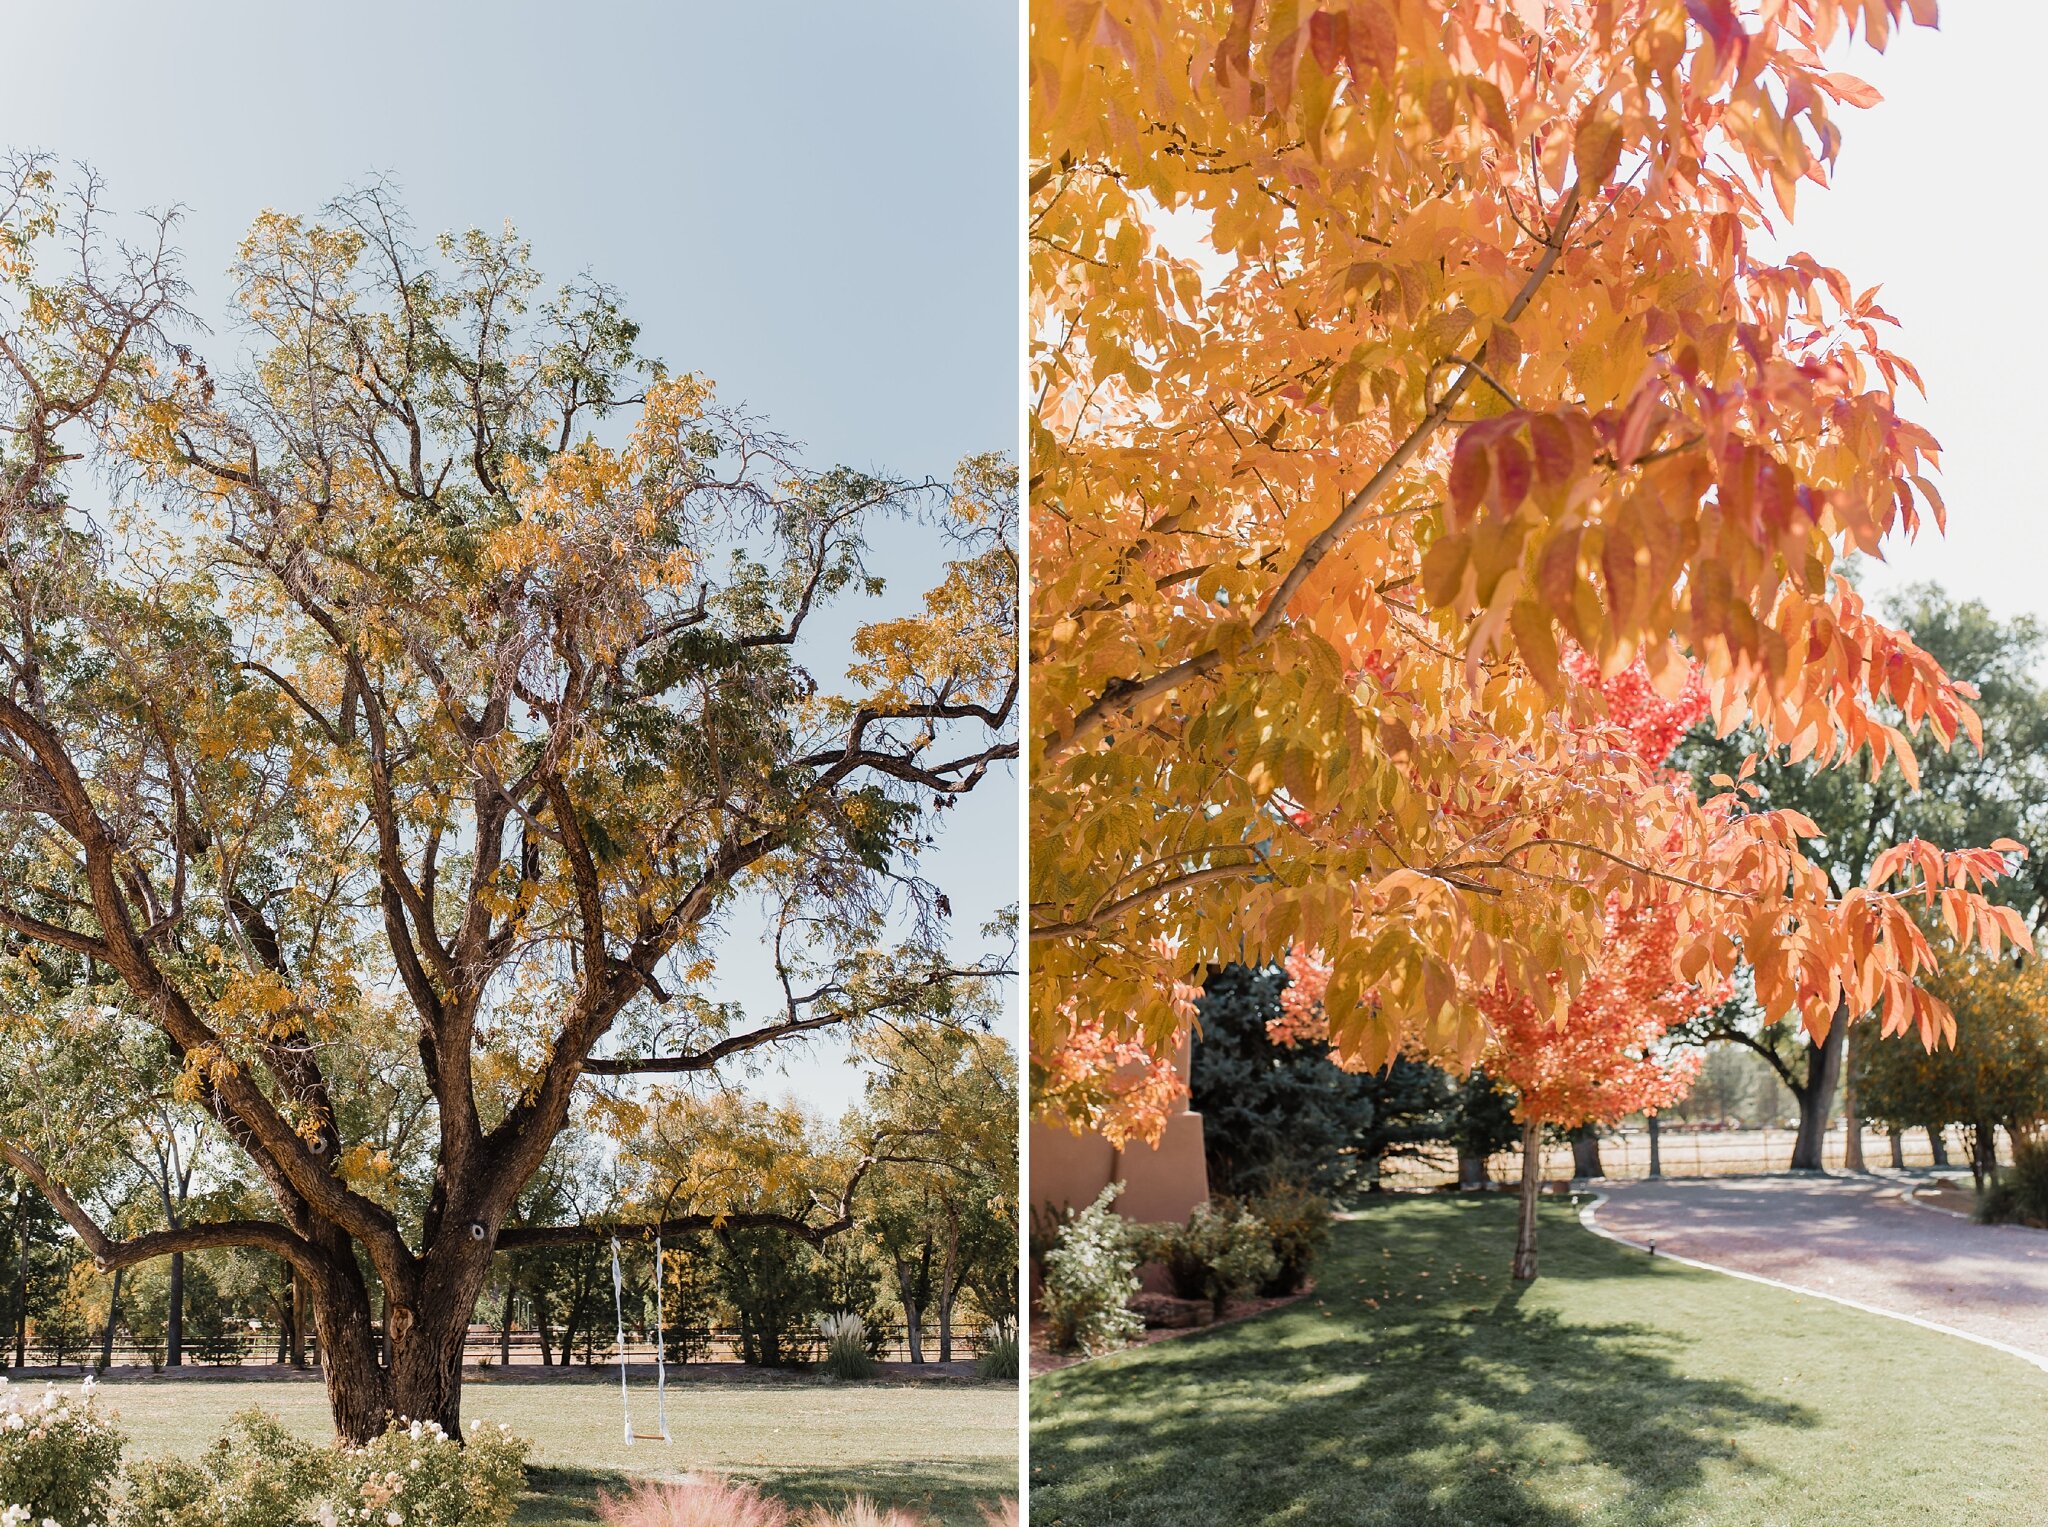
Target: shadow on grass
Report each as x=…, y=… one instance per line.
x=1411, y=1390
x=557, y=1497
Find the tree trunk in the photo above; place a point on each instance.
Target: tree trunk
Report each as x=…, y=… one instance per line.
x=1471, y=1170
x=910, y=1312
x=1656, y=1159
x=505, y=1324
x=1532, y=1183
x=949, y=1278
x=1586, y=1152
x=423, y=1381
x=21, y=1300
x=1898, y=1139
x=1937, y=1142
x=1852, y=1125
x=298, y=1321
x=1816, y=1100
x=174, y=1320
x=1984, y=1154
x=107, y=1331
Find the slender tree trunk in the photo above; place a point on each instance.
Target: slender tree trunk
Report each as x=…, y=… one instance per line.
x=113, y=1316
x=1471, y=1170
x=1898, y=1139
x=1937, y=1143
x=1586, y=1151
x=284, y=1318
x=1816, y=1101
x=505, y=1324
x=174, y=1320
x=949, y=1274
x=298, y=1320
x=1532, y=1183
x=1656, y=1159
x=911, y=1312
x=1852, y=1125
x=1984, y=1154
x=543, y=1323
x=21, y=1300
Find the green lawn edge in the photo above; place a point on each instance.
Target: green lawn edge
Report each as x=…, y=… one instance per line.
x=1419, y=1386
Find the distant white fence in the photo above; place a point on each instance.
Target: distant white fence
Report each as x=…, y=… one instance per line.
x=1687, y=1152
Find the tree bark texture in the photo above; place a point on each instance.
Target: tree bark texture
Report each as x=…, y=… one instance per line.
x=1532, y=1184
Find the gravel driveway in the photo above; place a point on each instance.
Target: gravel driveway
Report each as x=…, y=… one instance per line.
x=1853, y=1237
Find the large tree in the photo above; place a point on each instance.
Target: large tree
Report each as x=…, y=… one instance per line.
x=1996, y=1074
x=431, y=695
x=1989, y=789
x=1383, y=349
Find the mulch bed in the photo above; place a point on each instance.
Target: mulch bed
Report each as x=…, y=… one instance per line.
x=1044, y=1361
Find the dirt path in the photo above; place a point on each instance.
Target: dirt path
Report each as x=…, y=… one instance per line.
x=1853, y=1237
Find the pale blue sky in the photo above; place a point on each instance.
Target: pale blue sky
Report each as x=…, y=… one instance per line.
x=814, y=204
x=1937, y=198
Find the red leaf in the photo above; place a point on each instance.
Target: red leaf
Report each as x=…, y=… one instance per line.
x=1511, y=475
x=1470, y=470
x=1552, y=439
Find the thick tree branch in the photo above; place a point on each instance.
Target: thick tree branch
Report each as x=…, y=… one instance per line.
x=109, y=1254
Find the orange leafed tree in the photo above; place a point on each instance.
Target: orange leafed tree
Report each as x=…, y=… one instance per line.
x=1604, y=1059
x=1383, y=351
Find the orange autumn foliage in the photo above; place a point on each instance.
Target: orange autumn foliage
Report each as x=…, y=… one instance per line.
x=1383, y=353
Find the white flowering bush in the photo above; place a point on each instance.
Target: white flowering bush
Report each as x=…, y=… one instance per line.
x=257, y=1475
x=1090, y=1274
x=58, y=1456
x=261, y=1475
x=416, y=1475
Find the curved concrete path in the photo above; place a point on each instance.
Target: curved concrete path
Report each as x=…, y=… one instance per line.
x=1855, y=1238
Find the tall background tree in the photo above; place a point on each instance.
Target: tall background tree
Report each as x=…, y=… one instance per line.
x=1977, y=792
x=428, y=701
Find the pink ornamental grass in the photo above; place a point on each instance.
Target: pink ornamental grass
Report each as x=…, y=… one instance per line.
x=712, y=1501
x=706, y=1502
x=862, y=1512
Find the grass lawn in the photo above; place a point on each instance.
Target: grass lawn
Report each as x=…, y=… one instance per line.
x=941, y=1447
x=1417, y=1385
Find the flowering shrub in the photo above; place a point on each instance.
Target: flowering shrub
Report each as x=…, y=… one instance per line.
x=260, y=1475
x=58, y=1454
x=1090, y=1274
x=257, y=1475
x=416, y=1475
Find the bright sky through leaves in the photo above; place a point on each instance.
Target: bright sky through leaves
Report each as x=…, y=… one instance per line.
x=1925, y=201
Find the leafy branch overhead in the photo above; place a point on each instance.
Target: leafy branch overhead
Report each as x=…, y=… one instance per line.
x=1403, y=373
